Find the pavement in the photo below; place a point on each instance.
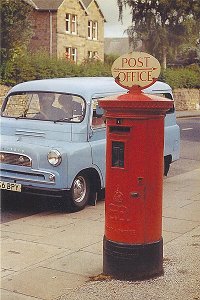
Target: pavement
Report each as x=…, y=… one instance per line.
x=58, y=256
x=54, y=255
x=188, y=113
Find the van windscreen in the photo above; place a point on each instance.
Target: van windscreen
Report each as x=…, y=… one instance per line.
x=45, y=106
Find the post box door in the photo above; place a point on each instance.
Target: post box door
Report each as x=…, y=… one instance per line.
x=125, y=196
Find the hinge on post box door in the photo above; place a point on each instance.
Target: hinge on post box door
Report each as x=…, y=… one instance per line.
x=135, y=194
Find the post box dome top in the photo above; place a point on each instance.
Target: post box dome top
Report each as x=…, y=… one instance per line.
x=136, y=71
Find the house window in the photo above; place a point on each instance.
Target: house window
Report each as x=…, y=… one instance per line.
x=68, y=22
x=89, y=29
x=92, y=30
x=71, y=24
x=71, y=54
x=90, y=54
x=93, y=55
x=74, y=54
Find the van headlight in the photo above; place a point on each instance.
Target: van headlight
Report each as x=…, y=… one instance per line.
x=54, y=157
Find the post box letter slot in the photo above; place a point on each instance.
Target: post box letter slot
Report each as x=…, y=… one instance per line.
x=117, y=129
x=118, y=154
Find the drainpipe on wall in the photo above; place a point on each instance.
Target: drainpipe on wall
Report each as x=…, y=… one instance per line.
x=51, y=33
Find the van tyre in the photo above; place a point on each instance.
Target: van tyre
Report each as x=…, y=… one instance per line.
x=79, y=193
x=167, y=162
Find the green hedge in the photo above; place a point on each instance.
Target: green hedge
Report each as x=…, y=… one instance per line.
x=182, y=77
x=38, y=66
x=26, y=66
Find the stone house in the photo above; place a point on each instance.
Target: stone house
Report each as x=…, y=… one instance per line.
x=73, y=29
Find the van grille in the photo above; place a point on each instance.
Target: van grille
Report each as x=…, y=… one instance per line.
x=15, y=159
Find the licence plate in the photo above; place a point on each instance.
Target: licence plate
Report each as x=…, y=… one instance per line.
x=9, y=186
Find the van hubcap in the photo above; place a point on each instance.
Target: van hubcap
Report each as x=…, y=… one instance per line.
x=79, y=189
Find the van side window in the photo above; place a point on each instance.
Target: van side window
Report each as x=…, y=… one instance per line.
x=98, y=118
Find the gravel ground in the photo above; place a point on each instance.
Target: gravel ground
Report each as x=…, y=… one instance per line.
x=181, y=278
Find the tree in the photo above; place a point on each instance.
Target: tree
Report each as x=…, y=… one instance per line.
x=15, y=26
x=163, y=25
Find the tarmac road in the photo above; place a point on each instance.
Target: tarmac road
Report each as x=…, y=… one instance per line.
x=58, y=256
x=50, y=255
x=190, y=145
x=20, y=207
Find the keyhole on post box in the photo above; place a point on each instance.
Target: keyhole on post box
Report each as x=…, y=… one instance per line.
x=140, y=180
x=118, y=121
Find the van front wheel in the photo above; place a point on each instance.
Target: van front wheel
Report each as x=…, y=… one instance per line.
x=79, y=193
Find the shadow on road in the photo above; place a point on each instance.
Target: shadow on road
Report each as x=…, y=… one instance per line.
x=14, y=206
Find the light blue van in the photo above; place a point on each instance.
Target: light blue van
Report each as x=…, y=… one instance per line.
x=53, y=138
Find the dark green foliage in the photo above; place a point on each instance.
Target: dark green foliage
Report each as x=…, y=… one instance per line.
x=46, y=67
x=94, y=68
x=165, y=27
x=15, y=30
x=110, y=58
x=25, y=66
x=182, y=77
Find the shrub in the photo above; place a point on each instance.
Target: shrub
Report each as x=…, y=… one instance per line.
x=182, y=77
x=110, y=58
x=26, y=67
x=51, y=67
x=94, y=68
x=18, y=69
x=23, y=66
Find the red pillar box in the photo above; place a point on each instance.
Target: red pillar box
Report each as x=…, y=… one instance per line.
x=133, y=246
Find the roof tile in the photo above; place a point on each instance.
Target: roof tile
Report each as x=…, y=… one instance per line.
x=51, y=4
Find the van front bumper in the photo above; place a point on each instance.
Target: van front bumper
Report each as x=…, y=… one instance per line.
x=53, y=193
x=32, y=181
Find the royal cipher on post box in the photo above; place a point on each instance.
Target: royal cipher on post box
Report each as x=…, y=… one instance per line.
x=133, y=245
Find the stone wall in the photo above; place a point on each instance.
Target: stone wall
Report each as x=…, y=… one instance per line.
x=185, y=99
x=3, y=91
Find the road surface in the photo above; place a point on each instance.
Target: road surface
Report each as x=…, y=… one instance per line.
x=189, y=160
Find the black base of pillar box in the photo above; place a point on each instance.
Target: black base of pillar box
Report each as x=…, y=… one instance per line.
x=132, y=262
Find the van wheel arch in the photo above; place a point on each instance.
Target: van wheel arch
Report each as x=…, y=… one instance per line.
x=84, y=189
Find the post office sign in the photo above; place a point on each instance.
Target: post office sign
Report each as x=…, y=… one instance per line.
x=136, y=70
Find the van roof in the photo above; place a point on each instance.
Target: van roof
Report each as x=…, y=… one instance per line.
x=86, y=87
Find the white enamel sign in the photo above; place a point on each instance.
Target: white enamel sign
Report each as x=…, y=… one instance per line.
x=136, y=70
